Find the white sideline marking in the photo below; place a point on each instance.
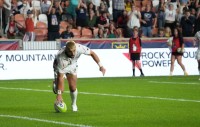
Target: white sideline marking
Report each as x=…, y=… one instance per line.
x=176, y=82
x=112, y=95
x=43, y=120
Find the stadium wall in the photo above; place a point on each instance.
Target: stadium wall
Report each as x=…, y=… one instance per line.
x=37, y=64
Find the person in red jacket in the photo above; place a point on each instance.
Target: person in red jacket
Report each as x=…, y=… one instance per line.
x=29, y=30
x=135, y=48
x=177, y=50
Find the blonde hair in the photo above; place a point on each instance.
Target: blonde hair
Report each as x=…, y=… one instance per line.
x=168, y=32
x=70, y=44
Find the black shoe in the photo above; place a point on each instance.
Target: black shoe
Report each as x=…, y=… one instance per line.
x=55, y=89
x=142, y=75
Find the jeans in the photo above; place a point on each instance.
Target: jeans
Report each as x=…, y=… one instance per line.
x=147, y=31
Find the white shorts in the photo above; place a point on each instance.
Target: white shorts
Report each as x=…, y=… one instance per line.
x=71, y=69
x=198, y=54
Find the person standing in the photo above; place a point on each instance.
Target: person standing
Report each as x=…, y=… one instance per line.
x=29, y=30
x=65, y=64
x=148, y=21
x=177, y=50
x=135, y=48
x=53, y=18
x=196, y=42
x=187, y=24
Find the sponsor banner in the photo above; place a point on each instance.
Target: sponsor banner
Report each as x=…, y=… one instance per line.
x=38, y=64
x=9, y=45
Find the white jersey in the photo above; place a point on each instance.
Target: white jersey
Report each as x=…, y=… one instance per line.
x=69, y=65
x=197, y=39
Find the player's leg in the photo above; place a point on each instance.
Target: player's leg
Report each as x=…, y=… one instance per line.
x=139, y=67
x=133, y=67
x=72, y=80
x=179, y=60
x=173, y=58
x=199, y=66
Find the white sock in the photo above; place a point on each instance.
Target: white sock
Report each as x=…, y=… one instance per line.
x=74, y=96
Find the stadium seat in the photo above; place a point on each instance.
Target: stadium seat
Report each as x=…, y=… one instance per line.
x=63, y=26
x=43, y=18
x=39, y=36
x=86, y=33
x=76, y=32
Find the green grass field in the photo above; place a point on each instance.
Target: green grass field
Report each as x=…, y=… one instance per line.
x=104, y=102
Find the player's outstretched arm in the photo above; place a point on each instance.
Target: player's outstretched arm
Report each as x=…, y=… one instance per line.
x=60, y=87
x=97, y=60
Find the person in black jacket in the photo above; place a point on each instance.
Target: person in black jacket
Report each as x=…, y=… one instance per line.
x=187, y=24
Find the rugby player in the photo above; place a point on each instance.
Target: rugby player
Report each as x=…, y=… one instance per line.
x=196, y=42
x=65, y=65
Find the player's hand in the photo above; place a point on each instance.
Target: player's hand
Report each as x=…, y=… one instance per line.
x=59, y=98
x=103, y=70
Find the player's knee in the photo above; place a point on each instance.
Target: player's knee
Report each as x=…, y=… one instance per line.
x=72, y=89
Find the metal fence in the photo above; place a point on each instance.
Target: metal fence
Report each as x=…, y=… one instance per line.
x=41, y=45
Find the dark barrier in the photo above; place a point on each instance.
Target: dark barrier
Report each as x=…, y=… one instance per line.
x=122, y=43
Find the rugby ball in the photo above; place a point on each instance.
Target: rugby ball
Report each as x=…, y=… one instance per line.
x=180, y=50
x=169, y=41
x=60, y=107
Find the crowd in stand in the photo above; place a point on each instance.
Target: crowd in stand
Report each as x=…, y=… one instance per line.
x=106, y=19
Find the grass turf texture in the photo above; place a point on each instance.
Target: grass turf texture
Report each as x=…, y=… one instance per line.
x=102, y=103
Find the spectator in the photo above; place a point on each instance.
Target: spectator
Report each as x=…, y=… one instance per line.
x=191, y=4
x=24, y=6
x=81, y=15
x=44, y=6
x=112, y=32
x=178, y=17
x=101, y=33
x=197, y=24
x=103, y=8
x=11, y=28
x=134, y=17
x=67, y=34
x=148, y=21
x=69, y=12
x=170, y=16
x=6, y=12
x=161, y=32
x=14, y=7
x=122, y=20
x=128, y=5
x=91, y=21
x=168, y=32
x=36, y=13
x=91, y=6
x=161, y=14
x=118, y=8
x=53, y=23
x=187, y=24
x=103, y=21
x=198, y=6
x=29, y=30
